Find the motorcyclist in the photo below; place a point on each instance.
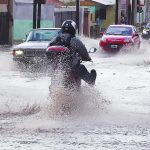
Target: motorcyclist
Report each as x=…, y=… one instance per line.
x=67, y=38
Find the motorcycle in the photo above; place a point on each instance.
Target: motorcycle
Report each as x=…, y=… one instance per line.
x=60, y=59
x=65, y=83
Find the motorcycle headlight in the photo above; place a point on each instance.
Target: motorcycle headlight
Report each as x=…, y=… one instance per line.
x=103, y=39
x=145, y=32
x=18, y=52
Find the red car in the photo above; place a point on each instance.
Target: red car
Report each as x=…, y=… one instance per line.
x=117, y=37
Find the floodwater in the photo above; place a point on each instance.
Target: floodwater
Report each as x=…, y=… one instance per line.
x=112, y=115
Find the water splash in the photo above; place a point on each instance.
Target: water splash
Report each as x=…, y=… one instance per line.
x=85, y=102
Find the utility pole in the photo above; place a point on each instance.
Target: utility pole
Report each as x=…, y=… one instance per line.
x=134, y=12
x=39, y=14
x=129, y=11
x=10, y=21
x=34, y=13
x=77, y=14
x=116, y=12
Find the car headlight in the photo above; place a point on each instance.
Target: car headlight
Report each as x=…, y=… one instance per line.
x=17, y=52
x=103, y=39
x=145, y=32
x=127, y=40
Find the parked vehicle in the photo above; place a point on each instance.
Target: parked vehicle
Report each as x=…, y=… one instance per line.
x=117, y=37
x=146, y=32
x=34, y=47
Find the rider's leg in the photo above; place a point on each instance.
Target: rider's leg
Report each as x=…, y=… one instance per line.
x=85, y=75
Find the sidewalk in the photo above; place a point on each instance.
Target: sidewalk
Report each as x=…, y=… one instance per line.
x=5, y=47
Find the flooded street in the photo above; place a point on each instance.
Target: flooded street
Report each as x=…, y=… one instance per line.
x=115, y=115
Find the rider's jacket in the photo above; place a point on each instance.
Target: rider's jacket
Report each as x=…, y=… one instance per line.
x=74, y=44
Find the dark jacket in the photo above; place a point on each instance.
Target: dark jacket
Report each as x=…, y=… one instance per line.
x=73, y=43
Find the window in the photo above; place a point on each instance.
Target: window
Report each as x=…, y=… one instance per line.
x=101, y=14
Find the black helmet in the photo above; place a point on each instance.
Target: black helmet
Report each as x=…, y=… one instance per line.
x=69, y=26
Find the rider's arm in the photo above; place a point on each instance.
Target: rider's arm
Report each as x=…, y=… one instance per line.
x=55, y=41
x=79, y=47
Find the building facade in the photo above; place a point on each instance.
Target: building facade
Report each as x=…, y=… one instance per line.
x=147, y=12
x=16, y=18
x=6, y=22
x=23, y=17
x=102, y=14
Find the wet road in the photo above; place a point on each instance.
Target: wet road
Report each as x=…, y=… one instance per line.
x=115, y=115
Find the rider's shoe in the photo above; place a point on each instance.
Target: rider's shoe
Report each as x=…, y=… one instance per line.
x=93, y=75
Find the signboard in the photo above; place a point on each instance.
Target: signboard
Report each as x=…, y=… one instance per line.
x=142, y=2
x=3, y=1
x=43, y=1
x=3, y=8
x=87, y=3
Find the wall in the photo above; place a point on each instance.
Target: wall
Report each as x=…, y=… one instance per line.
x=110, y=17
x=23, y=15
x=3, y=7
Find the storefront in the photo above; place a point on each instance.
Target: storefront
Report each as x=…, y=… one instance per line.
x=102, y=14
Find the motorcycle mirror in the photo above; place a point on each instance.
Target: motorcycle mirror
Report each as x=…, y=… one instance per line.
x=92, y=50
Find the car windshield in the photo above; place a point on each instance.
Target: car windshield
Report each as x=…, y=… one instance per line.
x=117, y=30
x=148, y=26
x=42, y=35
